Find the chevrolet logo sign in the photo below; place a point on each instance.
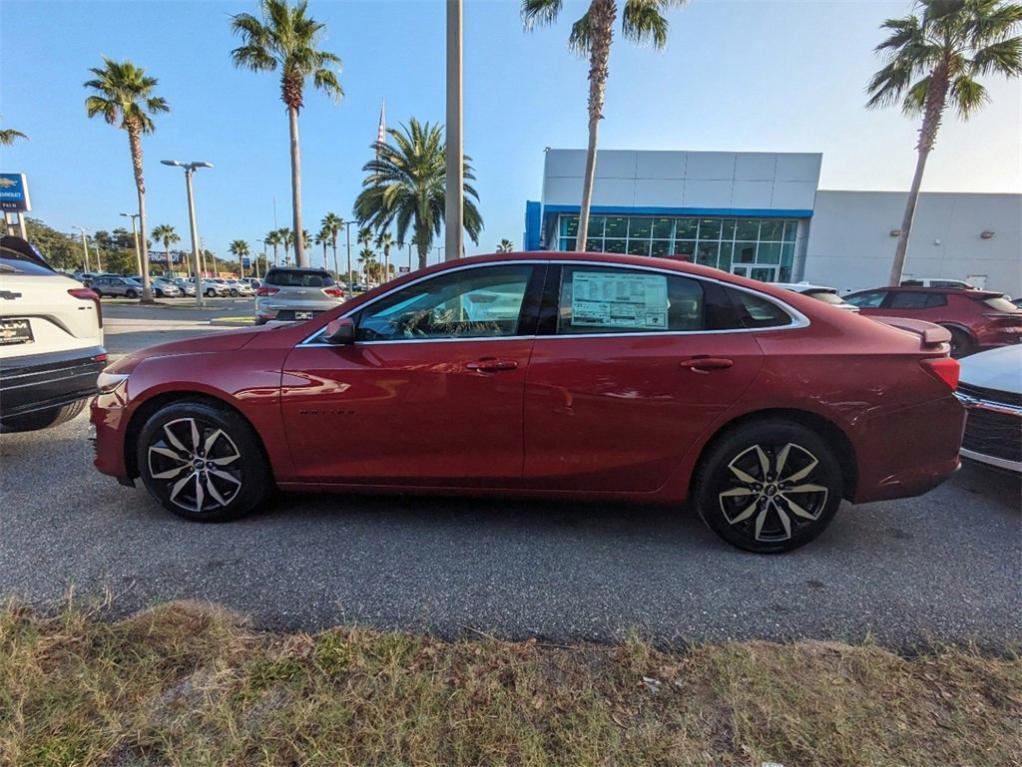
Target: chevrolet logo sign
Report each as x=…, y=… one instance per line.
x=7, y=182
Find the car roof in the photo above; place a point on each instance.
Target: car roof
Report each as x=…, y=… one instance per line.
x=970, y=292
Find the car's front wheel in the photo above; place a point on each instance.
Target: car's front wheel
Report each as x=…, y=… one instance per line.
x=203, y=462
x=132, y=293
x=42, y=419
x=769, y=486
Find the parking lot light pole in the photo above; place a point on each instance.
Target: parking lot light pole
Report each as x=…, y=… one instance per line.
x=134, y=235
x=190, y=168
x=85, y=246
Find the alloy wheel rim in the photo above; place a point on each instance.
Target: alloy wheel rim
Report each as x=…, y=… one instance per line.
x=769, y=492
x=197, y=462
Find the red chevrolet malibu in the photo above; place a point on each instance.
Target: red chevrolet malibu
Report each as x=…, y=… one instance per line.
x=555, y=375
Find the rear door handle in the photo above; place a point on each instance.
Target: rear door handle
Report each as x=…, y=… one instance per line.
x=492, y=365
x=706, y=364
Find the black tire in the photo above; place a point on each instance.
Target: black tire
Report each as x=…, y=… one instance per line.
x=43, y=419
x=132, y=293
x=962, y=344
x=210, y=294
x=209, y=485
x=733, y=506
x=159, y=293
x=234, y=293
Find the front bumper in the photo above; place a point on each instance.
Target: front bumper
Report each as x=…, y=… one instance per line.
x=44, y=381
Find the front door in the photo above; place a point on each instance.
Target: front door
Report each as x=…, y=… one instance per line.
x=431, y=391
x=629, y=379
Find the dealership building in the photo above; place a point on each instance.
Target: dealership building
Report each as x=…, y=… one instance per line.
x=762, y=215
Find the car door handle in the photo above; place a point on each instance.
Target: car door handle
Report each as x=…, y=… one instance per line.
x=491, y=365
x=706, y=364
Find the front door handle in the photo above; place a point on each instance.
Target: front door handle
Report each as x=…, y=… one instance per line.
x=706, y=364
x=492, y=365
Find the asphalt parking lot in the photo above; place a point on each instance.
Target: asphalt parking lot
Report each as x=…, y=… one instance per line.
x=944, y=567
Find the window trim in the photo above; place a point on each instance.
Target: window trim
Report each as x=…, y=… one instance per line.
x=799, y=320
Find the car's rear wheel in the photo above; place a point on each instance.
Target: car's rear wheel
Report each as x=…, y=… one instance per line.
x=43, y=419
x=769, y=486
x=962, y=344
x=234, y=293
x=203, y=462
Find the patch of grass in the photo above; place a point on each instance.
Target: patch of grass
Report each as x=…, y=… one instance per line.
x=190, y=684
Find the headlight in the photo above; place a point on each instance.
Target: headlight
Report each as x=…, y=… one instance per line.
x=108, y=382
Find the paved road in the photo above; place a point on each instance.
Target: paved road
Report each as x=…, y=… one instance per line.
x=945, y=567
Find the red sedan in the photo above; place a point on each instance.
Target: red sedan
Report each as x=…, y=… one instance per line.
x=555, y=375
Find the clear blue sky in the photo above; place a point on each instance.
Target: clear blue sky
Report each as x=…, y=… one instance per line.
x=772, y=76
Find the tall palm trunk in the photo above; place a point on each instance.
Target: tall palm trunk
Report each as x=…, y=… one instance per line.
x=936, y=99
x=601, y=18
x=274, y=254
x=422, y=246
x=333, y=244
x=135, y=142
x=296, y=185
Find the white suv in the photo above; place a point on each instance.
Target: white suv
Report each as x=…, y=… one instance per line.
x=51, y=341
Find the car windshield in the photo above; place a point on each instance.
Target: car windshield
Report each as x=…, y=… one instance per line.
x=1001, y=304
x=298, y=278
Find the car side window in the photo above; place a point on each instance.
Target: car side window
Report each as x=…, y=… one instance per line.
x=871, y=300
x=910, y=300
x=597, y=299
x=484, y=302
x=757, y=312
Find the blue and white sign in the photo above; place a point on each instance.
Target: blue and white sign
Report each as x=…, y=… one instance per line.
x=14, y=192
x=246, y=262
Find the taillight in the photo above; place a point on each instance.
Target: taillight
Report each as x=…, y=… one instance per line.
x=264, y=291
x=334, y=292
x=85, y=294
x=944, y=369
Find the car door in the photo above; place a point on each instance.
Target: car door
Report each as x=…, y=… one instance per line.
x=633, y=366
x=430, y=393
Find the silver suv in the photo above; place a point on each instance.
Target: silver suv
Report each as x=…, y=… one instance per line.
x=112, y=285
x=296, y=294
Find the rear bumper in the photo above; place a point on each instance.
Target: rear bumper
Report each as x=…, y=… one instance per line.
x=43, y=381
x=909, y=452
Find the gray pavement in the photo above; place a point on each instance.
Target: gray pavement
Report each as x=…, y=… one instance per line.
x=944, y=567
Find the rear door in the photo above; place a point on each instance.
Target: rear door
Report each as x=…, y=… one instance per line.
x=630, y=371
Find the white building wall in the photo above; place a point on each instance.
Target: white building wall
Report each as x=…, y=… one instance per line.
x=651, y=179
x=850, y=245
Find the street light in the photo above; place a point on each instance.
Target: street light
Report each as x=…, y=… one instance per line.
x=134, y=235
x=85, y=246
x=190, y=168
x=454, y=204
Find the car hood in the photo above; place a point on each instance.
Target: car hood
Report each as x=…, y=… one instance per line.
x=209, y=342
x=999, y=369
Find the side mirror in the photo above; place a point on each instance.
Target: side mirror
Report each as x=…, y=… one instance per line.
x=340, y=332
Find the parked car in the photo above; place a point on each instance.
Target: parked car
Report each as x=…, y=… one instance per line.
x=991, y=390
x=253, y=282
x=214, y=287
x=577, y=376
x=164, y=288
x=239, y=288
x=936, y=282
x=84, y=277
x=186, y=286
x=51, y=341
x=111, y=285
x=977, y=319
x=289, y=294
x=820, y=293
x=1017, y=302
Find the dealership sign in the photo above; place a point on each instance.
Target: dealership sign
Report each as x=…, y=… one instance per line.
x=14, y=192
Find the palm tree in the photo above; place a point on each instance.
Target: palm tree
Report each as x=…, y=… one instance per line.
x=287, y=239
x=385, y=240
x=405, y=185
x=323, y=238
x=933, y=60
x=367, y=258
x=123, y=92
x=642, y=21
x=333, y=223
x=274, y=240
x=165, y=233
x=239, y=249
x=8, y=136
x=505, y=246
x=286, y=38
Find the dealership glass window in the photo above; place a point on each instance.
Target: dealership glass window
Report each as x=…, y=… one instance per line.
x=638, y=247
x=569, y=226
x=685, y=248
x=747, y=229
x=771, y=231
x=617, y=226
x=707, y=252
x=768, y=253
x=790, y=231
x=639, y=228
x=709, y=229
x=661, y=248
x=662, y=228
x=745, y=252
x=612, y=300
x=615, y=246
x=687, y=228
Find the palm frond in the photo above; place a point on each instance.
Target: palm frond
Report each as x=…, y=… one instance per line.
x=581, y=35
x=967, y=96
x=643, y=22
x=1002, y=58
x=540, y=12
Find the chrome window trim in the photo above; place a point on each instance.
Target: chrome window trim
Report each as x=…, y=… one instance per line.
x=799, y=320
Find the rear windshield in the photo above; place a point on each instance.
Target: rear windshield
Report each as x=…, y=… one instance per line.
x=1001, y=304
x=20, y=265
x=298, y=278
x=827, y=296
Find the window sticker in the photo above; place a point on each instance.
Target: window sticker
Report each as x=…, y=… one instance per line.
x=619, y=300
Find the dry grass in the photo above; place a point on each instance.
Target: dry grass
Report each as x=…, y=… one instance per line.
x=187, y=684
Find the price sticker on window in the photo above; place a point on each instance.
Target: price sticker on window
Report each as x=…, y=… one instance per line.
x=620, y=300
